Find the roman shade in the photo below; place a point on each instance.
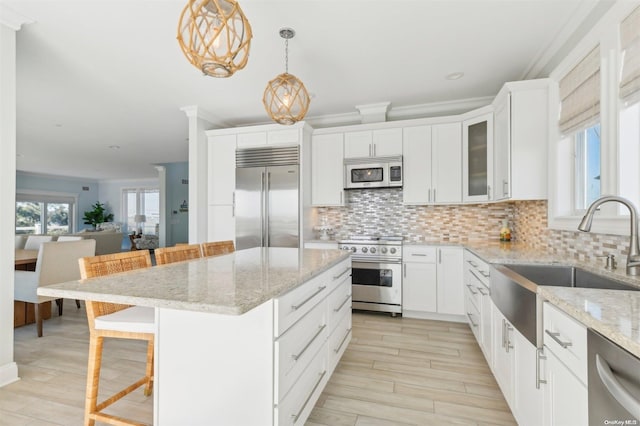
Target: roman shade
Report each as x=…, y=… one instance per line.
x=630, y=45
x=580, y=94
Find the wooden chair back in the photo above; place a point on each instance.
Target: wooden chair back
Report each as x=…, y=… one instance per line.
x=180, y=253
x=217, y=248
x=107, y=264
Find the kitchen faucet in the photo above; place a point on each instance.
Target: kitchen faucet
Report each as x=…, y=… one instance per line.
x=633, y=260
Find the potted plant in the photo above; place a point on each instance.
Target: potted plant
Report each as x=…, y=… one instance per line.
x=97, y=215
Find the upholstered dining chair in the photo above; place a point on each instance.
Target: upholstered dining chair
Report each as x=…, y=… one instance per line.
x=115, y=321
x=33, y=241
x=63, y=238
x=180, y=253
x=217, y=248
x=57, y=263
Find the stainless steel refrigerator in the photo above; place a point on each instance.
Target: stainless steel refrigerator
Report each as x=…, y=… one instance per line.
x=266, y=197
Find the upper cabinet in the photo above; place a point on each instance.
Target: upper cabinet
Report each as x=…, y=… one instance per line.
x=373, y=143
x=477, y=158
x=327, y=170
x=268, y=137
x=432, y=164
x=521, y=114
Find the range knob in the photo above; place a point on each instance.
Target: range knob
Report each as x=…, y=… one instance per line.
x=372, y=250
x=393, y=250
x=345, y=247
x=353, y=249
x=364, y=249
x=383, y=250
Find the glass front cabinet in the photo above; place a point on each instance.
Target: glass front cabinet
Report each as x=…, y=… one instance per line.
x=477, y=158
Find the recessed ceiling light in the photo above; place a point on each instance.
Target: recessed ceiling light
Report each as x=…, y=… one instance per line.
x=114, y=146
x=455, y=76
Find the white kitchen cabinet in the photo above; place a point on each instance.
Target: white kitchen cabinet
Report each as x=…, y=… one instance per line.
x=264, y=136
x=246, y=140
x=476, y=279
x=477, y=158
x=373, y=143
x=222, y=169
x=565, y=398
x=503, y=354
x=322, y=245
x=521, y=115
x=419, y=280
x=528, y=400
x=449, y=278
x=432, y=164
x=327, y=170
x=222, y=223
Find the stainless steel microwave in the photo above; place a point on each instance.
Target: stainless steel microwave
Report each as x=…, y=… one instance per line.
x=378, y=172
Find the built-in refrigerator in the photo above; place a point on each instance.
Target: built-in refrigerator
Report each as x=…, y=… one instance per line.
x=266, y=197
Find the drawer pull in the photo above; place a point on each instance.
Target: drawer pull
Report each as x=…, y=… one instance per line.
x=475, y=324
x=554, y=336
x=344, y=339
x=481, y=290
x=295, y=417
x=472, y=263
x=315, y=336
x=539, y=356
x=485, y=274
x=296, y=307
x=338, y=276
x=342, y=304
x=470, y=287
x=419, y=254
x=475, y=275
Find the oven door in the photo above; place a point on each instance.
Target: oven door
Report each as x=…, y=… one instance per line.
x=377, y=283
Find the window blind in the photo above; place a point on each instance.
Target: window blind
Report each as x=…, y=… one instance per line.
x=580, y=94
x=630, y=44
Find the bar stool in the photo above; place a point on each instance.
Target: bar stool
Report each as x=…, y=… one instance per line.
x=217, y=248
x=179, y=253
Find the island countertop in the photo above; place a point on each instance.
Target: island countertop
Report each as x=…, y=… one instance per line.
x=231, y=284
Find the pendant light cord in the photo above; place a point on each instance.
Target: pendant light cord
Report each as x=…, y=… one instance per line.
x=286, y=56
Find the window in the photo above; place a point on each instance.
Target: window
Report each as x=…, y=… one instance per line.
x=44, y=214
x=141, y=201
x=587, y=178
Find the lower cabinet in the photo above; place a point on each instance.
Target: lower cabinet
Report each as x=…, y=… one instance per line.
x=565, y=397
x=528, y=392
x=503, y=354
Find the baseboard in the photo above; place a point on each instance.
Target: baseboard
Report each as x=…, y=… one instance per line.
x=8, y=373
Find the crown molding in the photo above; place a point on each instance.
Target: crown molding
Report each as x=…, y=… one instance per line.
x=12, y=19
x=192, y=111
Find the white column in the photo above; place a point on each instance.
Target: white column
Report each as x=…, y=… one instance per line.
x=10, y=22
x=199, y=122
x=164, y=214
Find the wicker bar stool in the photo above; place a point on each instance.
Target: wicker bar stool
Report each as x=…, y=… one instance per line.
x=217, y=248
x=115, y=321
x=179, y=253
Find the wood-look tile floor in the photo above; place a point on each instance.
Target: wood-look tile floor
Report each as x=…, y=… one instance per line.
x=396, y=371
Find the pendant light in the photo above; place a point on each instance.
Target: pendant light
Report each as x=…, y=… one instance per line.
x=215, y=36
x=285, y=98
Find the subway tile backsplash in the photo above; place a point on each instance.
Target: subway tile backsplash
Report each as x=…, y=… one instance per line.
x=381, y=212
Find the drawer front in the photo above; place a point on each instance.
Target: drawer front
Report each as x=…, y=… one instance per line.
x=423, y=254
x=339, y=274
x=477, y=268
x=472, y=293
x=294, y=305
x=473, y=317
x=295, y=348
x=339, y=340
x=296, y=407
x=338, y=302
x=567, y=339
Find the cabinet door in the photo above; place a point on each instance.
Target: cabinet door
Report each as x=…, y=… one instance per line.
x=446, y=163
x=416, y=146
x=528, y=402
x=486, y=323
x=327, y=170
x=387, y=142
x=450, y=277
x=222, y=169
x=565, y=397
x=477, y=158
x=283, y=137
x=222, y=223
x=502, y=149
x=503, y=351
x=419, y=289
x=358, y=144
x=246, y=140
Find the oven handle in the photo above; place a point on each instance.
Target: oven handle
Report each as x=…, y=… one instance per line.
x=615, y=388
x=372, y=264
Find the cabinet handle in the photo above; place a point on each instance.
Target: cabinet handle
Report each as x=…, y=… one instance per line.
x=503, y=333
x=472, y=263
x=616, y=389
x=233, y=205
x=370, y=151
x=439, y=255
x=555, y=336
x=342, y=304
x=374, y=149
x=539, y=356
x=508, y=328
x=419, y=254
x=474, y=324
x=484, y=274
x=341, y=274
x=341, y=197
x=295, y=417
x=505, y=187
x=429, y=197
x=434, y=195
x=296, y=307
x=470, y=287
x=344, y=339
x=474, y=274
x=405, y=270
x=315, y=336
x=481, y=290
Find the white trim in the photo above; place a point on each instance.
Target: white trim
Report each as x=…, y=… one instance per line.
x=12, y=19
x=8, y=374
x=45, y=175
x=198, y=112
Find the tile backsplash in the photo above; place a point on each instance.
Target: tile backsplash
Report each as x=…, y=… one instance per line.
x=381, y=212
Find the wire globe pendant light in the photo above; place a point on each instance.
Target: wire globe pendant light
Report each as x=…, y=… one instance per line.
x=215, y=36
x=285, y=98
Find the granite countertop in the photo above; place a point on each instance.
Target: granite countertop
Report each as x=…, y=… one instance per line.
x=230, y=284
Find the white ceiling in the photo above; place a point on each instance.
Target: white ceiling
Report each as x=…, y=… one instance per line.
x=96, y=73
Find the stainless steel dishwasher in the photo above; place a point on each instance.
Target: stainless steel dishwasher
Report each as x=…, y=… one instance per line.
x=614, y=383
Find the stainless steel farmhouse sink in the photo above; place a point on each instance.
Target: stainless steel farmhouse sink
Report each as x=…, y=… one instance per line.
x=514, y=288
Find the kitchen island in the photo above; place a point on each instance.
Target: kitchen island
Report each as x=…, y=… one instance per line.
x=248, y=338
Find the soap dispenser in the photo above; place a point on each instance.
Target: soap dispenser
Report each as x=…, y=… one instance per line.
x=505, y=232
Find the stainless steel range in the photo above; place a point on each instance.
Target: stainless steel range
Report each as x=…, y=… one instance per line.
x=376, y=272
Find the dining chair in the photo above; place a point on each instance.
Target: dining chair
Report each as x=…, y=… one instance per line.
x=57, y=263
x=180, y=253
x=33, y=241
x=111, y=320
x=217, y=248
x=63, y=238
